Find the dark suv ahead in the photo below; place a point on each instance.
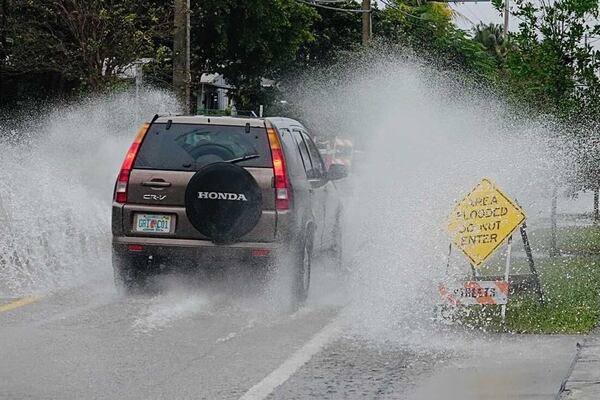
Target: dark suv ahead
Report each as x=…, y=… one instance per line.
x=224, y=190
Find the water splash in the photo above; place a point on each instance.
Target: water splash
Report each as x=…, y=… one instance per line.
x=57, y=172
x=428, y=138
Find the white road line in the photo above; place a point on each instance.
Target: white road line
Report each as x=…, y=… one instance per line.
x=276, y=378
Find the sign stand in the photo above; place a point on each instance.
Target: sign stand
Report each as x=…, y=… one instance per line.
x=506, y=274
x=531, y=264
x=448, y=262
x=473, y=271
x=479, y=224
x=532, y=269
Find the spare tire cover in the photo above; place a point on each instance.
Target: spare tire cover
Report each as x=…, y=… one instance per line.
x=223, y=202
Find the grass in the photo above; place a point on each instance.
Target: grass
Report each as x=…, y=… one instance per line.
x=572, y=299
x=570, y=239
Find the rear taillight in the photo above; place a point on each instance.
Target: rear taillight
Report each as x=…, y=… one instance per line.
x=123, y=179
x=135, y=248
x=260, y=252
x=282, y=184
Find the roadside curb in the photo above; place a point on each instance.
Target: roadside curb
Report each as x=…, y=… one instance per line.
x=583, y=380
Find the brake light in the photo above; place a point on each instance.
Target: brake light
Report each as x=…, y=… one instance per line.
x=260, y=252
x=123, y=179
x=136, y=248
x=282, y=184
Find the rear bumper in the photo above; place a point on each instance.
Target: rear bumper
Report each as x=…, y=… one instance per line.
x=199, y=250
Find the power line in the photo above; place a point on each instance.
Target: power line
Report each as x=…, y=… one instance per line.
x=593, y=41
x=318, y=4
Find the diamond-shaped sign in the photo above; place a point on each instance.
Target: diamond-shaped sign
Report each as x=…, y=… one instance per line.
x=481, y=221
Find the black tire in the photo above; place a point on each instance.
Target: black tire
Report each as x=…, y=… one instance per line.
x=130, y=273
x=301, y=272
x=223, y=202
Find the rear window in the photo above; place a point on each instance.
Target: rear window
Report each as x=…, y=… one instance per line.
x=190, y=146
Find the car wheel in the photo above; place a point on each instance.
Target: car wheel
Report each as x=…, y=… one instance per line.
x=301, y=274
x=129, y=273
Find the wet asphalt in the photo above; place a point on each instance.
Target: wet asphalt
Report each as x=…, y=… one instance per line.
x=191, y=342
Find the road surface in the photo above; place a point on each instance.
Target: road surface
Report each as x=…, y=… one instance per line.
x=213, y=342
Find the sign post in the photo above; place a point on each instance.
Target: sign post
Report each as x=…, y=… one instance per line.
x=506, y=274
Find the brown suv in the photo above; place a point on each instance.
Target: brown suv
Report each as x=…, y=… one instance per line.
x=217, y=190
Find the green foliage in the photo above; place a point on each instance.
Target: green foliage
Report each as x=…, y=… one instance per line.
x=491, y=36
x=62, y=46
x=159, y=71
x=248, y=40
x=83, y=45
x=334, y=33
x=245, y=41
x=429, y=30
x=551, y=64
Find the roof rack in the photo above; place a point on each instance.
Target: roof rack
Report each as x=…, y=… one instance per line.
x=167, y=114
x=227, y=113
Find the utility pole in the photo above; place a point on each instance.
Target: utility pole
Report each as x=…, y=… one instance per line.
x=3, y=40
x=366, y=22
x=506, y=11
x=181, y=53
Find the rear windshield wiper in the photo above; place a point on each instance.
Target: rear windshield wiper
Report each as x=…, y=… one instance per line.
x=244, y=158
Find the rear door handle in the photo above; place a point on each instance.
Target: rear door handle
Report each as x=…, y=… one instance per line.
x=161, y=184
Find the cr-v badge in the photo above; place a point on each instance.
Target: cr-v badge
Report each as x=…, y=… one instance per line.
x=154, y=197
x=222, y=196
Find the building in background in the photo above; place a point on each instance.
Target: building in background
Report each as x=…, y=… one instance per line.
x=213, y=95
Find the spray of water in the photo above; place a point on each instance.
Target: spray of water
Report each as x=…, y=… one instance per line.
x=427, y=140
x=57, y=171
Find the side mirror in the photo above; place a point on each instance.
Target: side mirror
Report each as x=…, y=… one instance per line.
x=337, y=171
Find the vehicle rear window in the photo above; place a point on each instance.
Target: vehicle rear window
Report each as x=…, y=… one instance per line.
x=191, y=146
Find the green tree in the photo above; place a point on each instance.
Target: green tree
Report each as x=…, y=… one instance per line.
x=551, y=62
x=428, y=29
x=247, y=41
x=85, y=43
x=335, y=32
x=552, y=67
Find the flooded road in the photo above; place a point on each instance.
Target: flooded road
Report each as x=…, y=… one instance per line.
x=88, y=342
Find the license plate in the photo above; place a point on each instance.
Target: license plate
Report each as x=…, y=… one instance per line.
x=152, y=223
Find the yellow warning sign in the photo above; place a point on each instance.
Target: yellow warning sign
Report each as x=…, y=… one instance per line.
x=481, y=221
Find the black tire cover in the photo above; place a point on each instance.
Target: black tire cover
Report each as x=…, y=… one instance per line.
x=223, y=202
